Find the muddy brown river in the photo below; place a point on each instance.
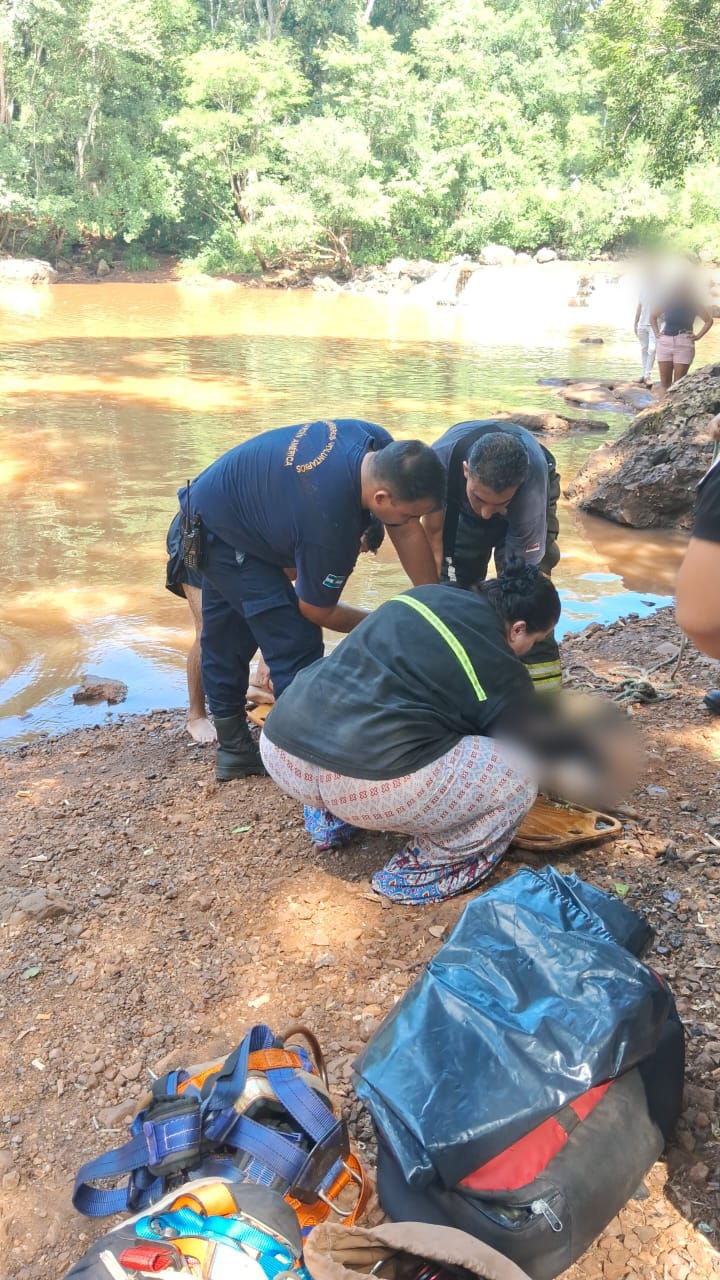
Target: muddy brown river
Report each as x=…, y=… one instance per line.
x=113, y=394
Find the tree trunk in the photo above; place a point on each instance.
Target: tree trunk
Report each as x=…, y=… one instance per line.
x=6, y=105
x=270, y=15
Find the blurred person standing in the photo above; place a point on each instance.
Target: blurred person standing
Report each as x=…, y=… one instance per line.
x=644, y=332
x=673, y=324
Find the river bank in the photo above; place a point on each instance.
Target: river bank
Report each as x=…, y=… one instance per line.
x=453, y=281
x=124, y=858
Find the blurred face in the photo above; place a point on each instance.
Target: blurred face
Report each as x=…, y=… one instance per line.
x=521, y=640
x=485, y=502
x=392, y=513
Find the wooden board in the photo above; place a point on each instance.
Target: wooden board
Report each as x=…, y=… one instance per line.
x=552, y=825
x=258, y=715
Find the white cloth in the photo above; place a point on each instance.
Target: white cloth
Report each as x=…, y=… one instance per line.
x=646, y=302
x=646, y=338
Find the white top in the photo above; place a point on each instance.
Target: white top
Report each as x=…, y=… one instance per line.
x=646, y=300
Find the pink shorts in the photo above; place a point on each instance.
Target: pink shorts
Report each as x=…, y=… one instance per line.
x=678, y=350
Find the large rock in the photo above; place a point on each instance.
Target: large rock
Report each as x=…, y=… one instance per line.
x=589, y=393
x=447, y=283
x=18, y=906
x=647, y=478
x=100, y=689
x=496, y=255
x=26, y=271
x=400, y=275
x=608, y=395
x=545, y=255
x=415, y=269
x=543, y=421
x=325, y=284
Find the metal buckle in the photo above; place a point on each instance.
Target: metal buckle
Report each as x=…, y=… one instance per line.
x=343, y=1213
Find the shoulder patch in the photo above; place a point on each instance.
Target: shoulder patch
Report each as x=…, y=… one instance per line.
x=333, y=581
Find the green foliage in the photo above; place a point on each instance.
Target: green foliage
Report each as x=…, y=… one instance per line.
x=222, y=254
x=251, y=134
x=135, y=258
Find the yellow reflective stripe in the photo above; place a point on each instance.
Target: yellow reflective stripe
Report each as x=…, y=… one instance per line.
x=450, y=640
x=545, y=668
x=549, y=682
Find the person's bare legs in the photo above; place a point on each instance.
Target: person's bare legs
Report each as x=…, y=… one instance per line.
x=199, y=726
x=665, y=369
x=679, y=371
x=260, y=690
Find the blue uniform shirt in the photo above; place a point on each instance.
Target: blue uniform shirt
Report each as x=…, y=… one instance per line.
x=292, y=497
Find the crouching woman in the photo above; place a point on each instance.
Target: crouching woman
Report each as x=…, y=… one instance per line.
x=395, y=730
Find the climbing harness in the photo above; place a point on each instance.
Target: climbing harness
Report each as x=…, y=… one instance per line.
x=262, y=1115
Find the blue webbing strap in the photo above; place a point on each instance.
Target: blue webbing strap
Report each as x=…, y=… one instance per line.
x=96, y=1202
x=303, y=1103
x=230, y=1081
x=310, y=1112
x=282, y=1157
x=153, y=1141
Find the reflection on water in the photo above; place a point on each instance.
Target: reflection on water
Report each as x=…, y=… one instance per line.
x=113, y=395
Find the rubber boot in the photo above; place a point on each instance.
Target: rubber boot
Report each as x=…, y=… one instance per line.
x=237, y=753
x=712, y=701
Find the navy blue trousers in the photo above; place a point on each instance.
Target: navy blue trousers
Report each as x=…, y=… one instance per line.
x=247, y=605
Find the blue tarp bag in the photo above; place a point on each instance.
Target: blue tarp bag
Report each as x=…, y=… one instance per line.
x=509, y=1042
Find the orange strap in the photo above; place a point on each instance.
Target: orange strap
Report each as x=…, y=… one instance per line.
x=262, y=1060
x=268, y=1059
x=215, y=1198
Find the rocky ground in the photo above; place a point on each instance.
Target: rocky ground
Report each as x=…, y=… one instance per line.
x=149, y=915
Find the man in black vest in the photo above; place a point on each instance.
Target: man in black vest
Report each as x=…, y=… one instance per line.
x=503, y=490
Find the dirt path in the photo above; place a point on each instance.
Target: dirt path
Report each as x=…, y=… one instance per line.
x=150, y=914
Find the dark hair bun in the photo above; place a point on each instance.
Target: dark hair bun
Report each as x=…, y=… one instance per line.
x=518, y=578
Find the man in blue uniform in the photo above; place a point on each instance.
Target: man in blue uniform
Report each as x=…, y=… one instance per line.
x=502, y=496
x=300, y=496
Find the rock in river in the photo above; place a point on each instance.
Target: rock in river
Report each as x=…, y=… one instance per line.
x=589, y=393
x=544, y=421
x=496, y=255
x=100, y=689
x=646, y=479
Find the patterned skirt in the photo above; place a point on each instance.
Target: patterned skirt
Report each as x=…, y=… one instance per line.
x=460, y=813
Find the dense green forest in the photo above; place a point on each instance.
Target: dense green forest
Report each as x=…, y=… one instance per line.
x=247, y=134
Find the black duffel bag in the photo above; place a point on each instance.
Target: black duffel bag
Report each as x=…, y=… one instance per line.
x=562, y=1079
